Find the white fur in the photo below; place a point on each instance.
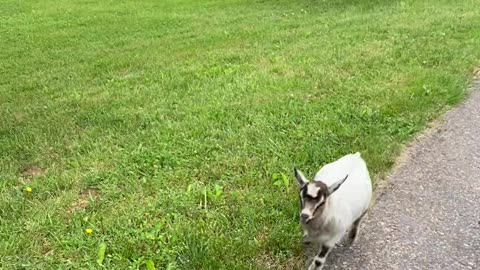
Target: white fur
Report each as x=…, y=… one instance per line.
x=353, y=197
x=343, y=206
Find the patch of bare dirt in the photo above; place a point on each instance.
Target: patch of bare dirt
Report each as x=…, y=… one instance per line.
x=84, y=199
x=19, y=117
x=31, y=171
x=47, y=249
x=476, y=73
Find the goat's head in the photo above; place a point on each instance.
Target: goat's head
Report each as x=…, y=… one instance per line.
x=313, y=196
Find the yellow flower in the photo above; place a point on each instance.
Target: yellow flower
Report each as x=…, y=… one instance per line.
x=28, y=189
x=89, y=231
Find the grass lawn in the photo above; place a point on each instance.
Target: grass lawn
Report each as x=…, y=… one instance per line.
x=170, y=127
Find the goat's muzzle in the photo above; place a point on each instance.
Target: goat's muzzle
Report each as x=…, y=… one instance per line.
x=305, y=218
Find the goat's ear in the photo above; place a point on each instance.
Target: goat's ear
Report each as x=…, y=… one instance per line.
x=336, y=185
x=301, y=179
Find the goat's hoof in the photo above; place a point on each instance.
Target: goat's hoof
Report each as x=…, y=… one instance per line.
x=314, y=266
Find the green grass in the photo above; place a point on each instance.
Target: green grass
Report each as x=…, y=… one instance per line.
x=166, y=126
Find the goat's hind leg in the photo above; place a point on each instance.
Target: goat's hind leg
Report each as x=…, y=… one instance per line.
x=353, y=233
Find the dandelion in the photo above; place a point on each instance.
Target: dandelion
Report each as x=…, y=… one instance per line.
x=89, y=231
x=28, y=189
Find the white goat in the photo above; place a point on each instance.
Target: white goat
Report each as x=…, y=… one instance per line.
x=333, y=203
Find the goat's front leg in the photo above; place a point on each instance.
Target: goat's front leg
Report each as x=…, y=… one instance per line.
x=319, y=260
x=307, y=239
x=309, y=245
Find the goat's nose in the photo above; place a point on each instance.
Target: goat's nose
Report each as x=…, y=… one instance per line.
x=304, y=216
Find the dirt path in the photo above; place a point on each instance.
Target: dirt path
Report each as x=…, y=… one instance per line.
x=428, y=215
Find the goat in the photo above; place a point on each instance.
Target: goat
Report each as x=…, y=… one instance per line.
x=334, y=202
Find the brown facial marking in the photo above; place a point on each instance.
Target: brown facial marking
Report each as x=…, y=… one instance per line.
x=323, y=188
x=321, y=192
x=313, y=196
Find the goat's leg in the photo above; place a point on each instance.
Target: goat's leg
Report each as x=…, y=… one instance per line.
x=319, y=260
x=307, y=241
x=353, y=233
x=310, y=246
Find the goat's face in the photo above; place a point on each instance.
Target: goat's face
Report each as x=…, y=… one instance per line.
x=314, y=196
